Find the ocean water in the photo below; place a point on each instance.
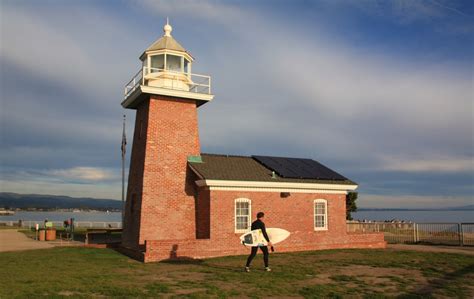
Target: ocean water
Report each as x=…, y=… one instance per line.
x=416, y=216
x=61, y=216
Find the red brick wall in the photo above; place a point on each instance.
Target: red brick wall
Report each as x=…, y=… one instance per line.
x=165, y=193
x=294, y=213
x=131, y=225
x=203, y=215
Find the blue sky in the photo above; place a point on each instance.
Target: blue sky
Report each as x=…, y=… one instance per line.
x=381, y=91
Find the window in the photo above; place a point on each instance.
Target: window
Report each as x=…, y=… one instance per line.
x=320, y=214
x=157, y=62
x=242, y=215
x=173, y=63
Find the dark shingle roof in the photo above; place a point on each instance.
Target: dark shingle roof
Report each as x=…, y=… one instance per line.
x=241, y=168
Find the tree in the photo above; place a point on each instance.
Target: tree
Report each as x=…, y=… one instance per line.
x=351, y=205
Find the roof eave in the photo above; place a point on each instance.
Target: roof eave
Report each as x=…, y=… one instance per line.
x=274, y=185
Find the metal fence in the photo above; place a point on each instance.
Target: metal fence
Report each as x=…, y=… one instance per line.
x=461, y=234
x=59, y=224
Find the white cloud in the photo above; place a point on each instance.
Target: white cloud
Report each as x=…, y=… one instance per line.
x=215, y=11
x=81, y=181
x=437, y=165
x=85, y=173
x=107, y=191
x=51, y=47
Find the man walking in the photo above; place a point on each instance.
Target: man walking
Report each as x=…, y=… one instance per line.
x=258, y=224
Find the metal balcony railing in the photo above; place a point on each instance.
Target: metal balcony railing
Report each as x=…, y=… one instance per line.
x=197, y=83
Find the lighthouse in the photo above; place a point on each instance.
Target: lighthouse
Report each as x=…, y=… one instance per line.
x=165, y=94
x=182, y=203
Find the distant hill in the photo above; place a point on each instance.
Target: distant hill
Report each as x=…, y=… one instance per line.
x=48, y=202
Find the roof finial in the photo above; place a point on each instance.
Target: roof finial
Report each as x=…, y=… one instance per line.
x=167, y=28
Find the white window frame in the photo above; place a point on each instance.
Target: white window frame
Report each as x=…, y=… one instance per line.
x=325, y=202
x=249, y=218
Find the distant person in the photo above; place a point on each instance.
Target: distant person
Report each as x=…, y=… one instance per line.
x=48, y=224
x=258, y=224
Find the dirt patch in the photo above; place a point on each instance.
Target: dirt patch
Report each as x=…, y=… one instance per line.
x=66, y=293
x=13, y=240
x=361, y=270
x=389, y=281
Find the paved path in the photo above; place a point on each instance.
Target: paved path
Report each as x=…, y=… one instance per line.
x=433, y=248
x=12, y=240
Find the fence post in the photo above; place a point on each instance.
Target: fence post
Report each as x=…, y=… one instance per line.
x=416, y=232
x=461, y=236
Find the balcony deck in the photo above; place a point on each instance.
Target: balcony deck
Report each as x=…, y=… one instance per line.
x=176, y=84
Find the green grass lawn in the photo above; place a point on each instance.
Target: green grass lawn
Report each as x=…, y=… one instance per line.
x=87, y=272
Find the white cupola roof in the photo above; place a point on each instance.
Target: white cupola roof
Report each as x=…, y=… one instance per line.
x=166, y=42
x=166, y=70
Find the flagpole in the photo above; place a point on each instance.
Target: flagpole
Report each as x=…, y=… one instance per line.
x=124, y=144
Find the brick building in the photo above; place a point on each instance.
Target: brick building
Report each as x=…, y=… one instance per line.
x=183, y=203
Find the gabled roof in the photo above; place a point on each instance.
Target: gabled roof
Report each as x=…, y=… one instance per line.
x=241, y=168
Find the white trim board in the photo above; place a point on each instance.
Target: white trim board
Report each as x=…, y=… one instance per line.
x=165, y=92
x=275, y=186
x=244, y=189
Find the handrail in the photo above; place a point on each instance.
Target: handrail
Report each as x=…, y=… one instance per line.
x=202, y=84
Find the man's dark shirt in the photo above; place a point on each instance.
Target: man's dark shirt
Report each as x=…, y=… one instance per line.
x=258, y=224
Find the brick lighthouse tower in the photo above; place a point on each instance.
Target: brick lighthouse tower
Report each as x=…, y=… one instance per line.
x=160, y=193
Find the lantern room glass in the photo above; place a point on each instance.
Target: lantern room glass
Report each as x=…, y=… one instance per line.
x=173, y=63
x=157, y=63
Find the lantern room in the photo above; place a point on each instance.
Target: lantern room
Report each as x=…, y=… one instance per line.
x=166, y=70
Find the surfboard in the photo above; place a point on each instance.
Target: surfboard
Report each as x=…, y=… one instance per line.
x=256, y=238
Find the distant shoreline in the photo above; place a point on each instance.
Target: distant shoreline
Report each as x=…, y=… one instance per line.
x=61, y=210
x=414, y=209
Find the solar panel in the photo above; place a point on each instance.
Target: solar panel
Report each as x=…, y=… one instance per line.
x=298, y=168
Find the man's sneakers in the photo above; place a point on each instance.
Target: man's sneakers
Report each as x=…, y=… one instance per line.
x=268, y=269
x=247, y=269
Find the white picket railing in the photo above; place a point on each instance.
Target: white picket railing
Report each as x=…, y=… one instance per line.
x=78, y=224
x=409, y=232
x=197, y=83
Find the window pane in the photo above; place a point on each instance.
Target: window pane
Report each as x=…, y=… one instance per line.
x=185, y=65
x=242, y=223
x=173, y=63
x=320, y=208
x=242, y=208
x=319, y=221
x=157, y=62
